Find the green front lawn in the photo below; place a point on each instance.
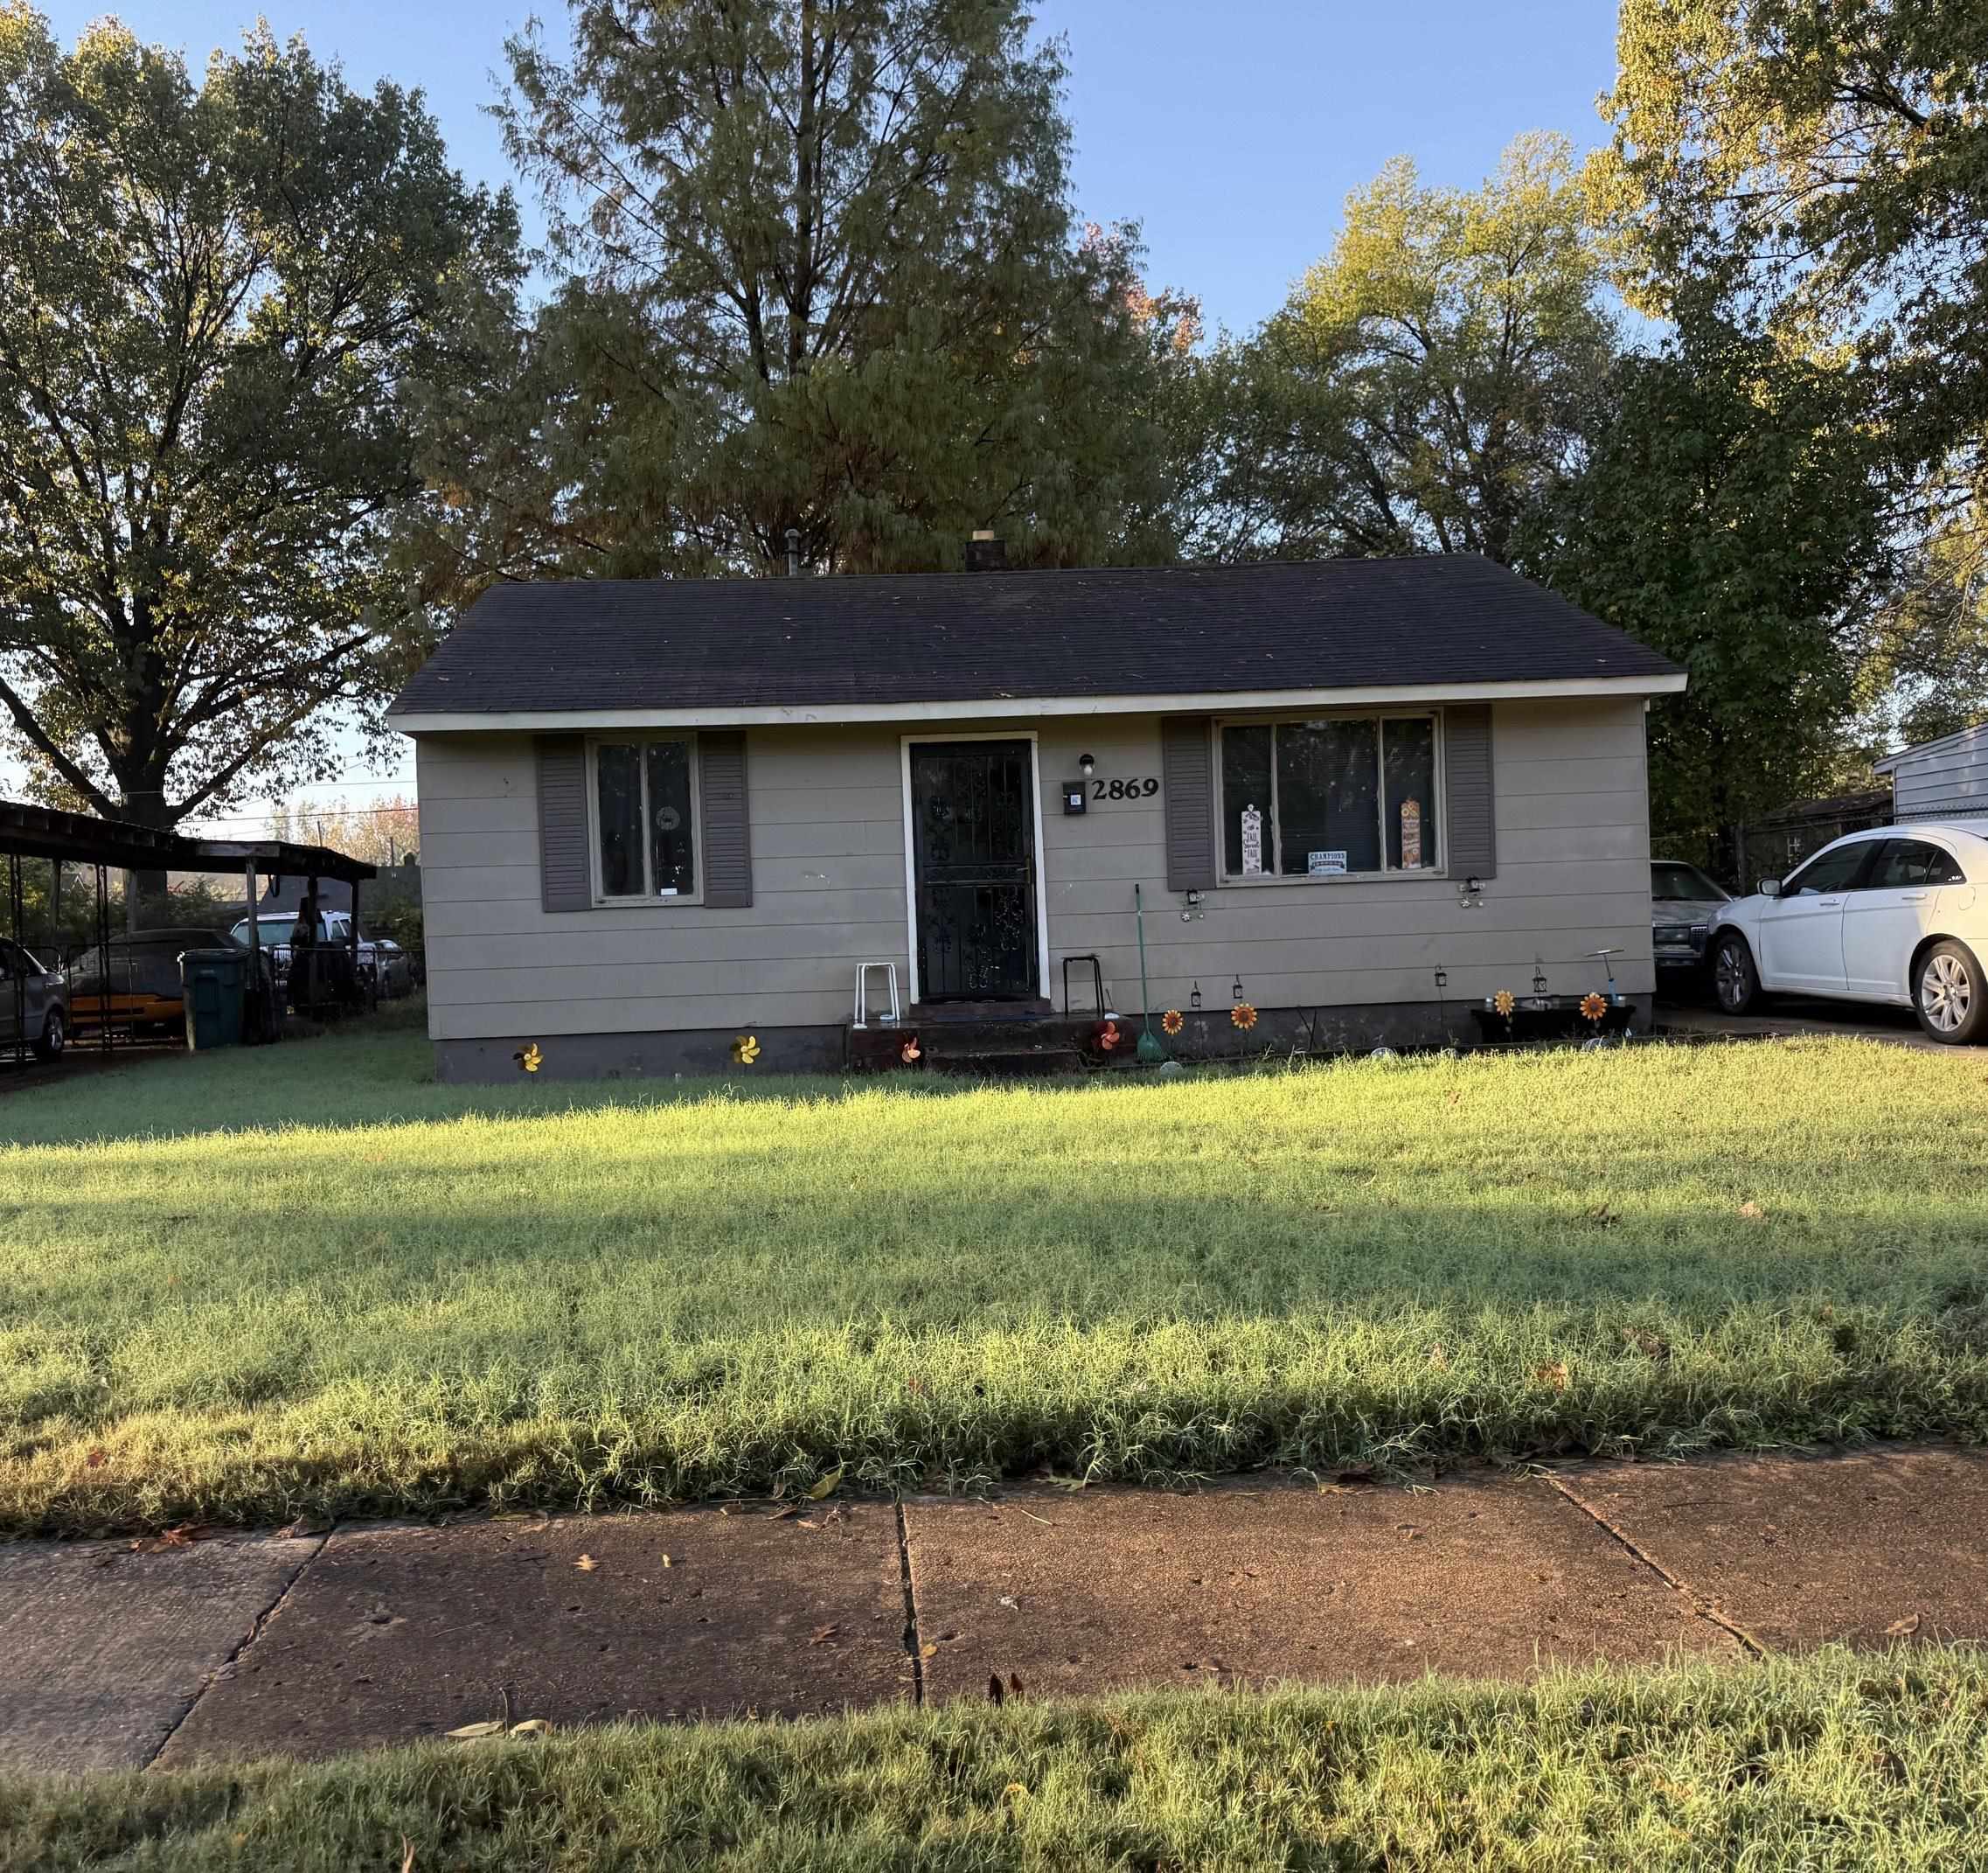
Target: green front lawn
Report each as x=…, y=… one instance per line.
x=238, y=1286
x=1833, y=1762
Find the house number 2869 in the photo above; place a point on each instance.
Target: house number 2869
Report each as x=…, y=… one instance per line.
x=1123, y=790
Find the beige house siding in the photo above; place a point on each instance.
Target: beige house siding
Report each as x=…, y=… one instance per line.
x=827, y=812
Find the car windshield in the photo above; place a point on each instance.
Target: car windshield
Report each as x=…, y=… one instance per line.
x=1673, y=883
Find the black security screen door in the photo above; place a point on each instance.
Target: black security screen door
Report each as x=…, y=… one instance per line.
x=973, y=834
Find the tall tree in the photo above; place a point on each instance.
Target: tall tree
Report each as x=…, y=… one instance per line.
x=216, y=301
x=1827, y=167
x=1731, y=512
x=825, y=279
x=1423, y=389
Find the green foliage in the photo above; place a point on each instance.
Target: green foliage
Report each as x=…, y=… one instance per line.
x=583, y=1294
x=1424, y=387
x=214, y=300
x=1828, y=166
x=1730, y=512
x=1831, y=1762
x=824, y=277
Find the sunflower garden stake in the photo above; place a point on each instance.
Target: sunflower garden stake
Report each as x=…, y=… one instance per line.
x=1507, y=1003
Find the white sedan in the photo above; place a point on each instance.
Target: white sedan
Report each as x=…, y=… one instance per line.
x=1898, y=913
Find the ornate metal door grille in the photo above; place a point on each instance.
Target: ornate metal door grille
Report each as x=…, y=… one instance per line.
x=973, y=849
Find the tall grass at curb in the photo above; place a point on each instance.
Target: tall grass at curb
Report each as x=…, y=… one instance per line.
x=237, y=1287
x=1835, y=1761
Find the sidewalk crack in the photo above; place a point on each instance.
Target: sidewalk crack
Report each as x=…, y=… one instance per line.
x=1692, y=1597
x=913, y=1642
x=255, y=1631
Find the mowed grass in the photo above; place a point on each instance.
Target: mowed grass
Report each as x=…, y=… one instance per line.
x=239, y=1286
x=1831, y=1762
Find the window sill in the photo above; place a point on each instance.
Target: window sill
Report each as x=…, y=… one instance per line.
x=646, y=902
x=1426, y=872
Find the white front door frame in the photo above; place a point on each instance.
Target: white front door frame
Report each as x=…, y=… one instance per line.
x=906, y=744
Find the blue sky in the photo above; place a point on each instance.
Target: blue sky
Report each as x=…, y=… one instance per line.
x=1231, y=131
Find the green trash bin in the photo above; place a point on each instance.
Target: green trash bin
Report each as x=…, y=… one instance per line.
x=213, y=983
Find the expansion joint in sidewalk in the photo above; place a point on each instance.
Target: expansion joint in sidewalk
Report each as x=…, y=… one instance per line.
x=913, y=1642
x=255, y=1630
x=1698, y=1604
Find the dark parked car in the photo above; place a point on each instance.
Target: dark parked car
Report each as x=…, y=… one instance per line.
x=1683, y=902
x=33, y=1001
x=134, y=983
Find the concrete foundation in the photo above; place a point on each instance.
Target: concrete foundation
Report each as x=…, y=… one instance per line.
x=1207, y=1033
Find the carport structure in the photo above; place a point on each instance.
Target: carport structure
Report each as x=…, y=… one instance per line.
x=28, y=831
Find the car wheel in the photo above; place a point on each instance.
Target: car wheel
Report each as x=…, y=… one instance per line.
x=1735, y=982
x=54, y=1037
x=1950, y=994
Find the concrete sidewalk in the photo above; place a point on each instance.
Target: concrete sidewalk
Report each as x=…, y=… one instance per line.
x=374, y=1635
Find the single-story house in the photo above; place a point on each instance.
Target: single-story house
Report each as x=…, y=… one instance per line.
x=1359, y=795
x=1946, y=779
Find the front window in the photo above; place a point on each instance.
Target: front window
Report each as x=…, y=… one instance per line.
x=644, y=820
x=1342, y=796
x=1834, y=870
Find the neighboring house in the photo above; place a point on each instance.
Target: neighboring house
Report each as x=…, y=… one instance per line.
x=1773, y=844
x=1366, y=794
x=1946, y=779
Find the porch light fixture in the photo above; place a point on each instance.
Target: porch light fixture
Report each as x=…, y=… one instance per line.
x=1235, y=993
x=1086, y=766
x=1539, y=978
x=1194, y=999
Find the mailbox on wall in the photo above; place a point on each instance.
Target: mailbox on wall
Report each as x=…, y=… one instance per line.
x=1074, y=795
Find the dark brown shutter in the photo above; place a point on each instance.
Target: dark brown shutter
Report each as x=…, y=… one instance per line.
x=565, y=877
x=1472, y=802
x=727, y=822
x=1187, y=790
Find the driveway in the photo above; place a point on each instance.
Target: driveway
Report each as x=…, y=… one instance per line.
x=1785, y=1015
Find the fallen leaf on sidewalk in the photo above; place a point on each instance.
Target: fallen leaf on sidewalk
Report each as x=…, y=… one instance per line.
x=821, y=1634
x=587, y=1563
x=827, y=1485
x=1902, y=1628
x=927, y=1652
x=470, y=1732
x=667, y=1561
x=304, y=1525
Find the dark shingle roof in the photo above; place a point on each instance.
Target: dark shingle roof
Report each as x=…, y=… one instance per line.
x=578, y=644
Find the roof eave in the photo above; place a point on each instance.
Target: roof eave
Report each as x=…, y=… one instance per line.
x=415, y=721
